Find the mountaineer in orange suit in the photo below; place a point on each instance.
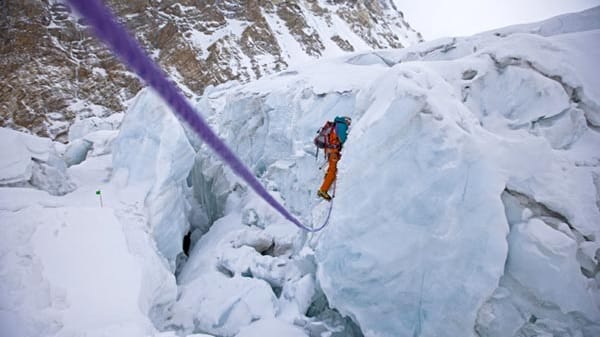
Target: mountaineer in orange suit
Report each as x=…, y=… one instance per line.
x=335, y=138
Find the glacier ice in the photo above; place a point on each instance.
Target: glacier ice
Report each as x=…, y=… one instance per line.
x=77, y=151
x=436, y=146
x=84, y=127
x=534, y=242
x=467, y=202
x=33, y=161
x=152, y=149
x=436, y=204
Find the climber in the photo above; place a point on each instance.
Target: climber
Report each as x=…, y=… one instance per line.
x=331, y=138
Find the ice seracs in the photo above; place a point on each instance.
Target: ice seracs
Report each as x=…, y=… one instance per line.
x=153, y=151
x=467, y=202
x=419, y=239
x=28, y=160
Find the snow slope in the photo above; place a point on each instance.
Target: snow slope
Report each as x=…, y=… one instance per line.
x=467, y=203
x=71, y=265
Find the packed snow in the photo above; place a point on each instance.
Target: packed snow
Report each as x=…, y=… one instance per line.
x=467, y=202
x=75, y=264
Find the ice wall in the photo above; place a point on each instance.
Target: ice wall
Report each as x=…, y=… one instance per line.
x=417, y=240
x=152, y=151
x=249, y=266
x=417, y=245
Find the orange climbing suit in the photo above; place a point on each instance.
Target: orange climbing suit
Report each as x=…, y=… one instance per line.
x=333, y=155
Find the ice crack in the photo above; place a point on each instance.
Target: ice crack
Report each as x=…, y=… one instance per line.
x=575, y=94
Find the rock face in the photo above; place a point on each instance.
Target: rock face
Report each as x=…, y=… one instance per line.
x=52, y=70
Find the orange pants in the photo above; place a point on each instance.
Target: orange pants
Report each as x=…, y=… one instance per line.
x=333, y=155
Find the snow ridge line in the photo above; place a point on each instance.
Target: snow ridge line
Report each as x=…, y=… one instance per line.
x=107, y=29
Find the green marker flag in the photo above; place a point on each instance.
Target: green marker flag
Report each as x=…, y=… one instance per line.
x=98, y=193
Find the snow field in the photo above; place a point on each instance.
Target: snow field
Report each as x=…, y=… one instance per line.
x=70, y=266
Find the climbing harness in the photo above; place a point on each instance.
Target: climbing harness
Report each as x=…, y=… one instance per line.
x=131, y=53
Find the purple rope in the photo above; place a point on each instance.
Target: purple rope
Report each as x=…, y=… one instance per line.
x=328, y=212
x=131, y=53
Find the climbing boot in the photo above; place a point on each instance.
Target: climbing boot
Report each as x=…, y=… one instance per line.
x=324, y=195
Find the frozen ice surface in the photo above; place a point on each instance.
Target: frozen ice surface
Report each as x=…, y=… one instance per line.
x=534, y=243
x=152, y=150
x=77, y=151
x=416, y=242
